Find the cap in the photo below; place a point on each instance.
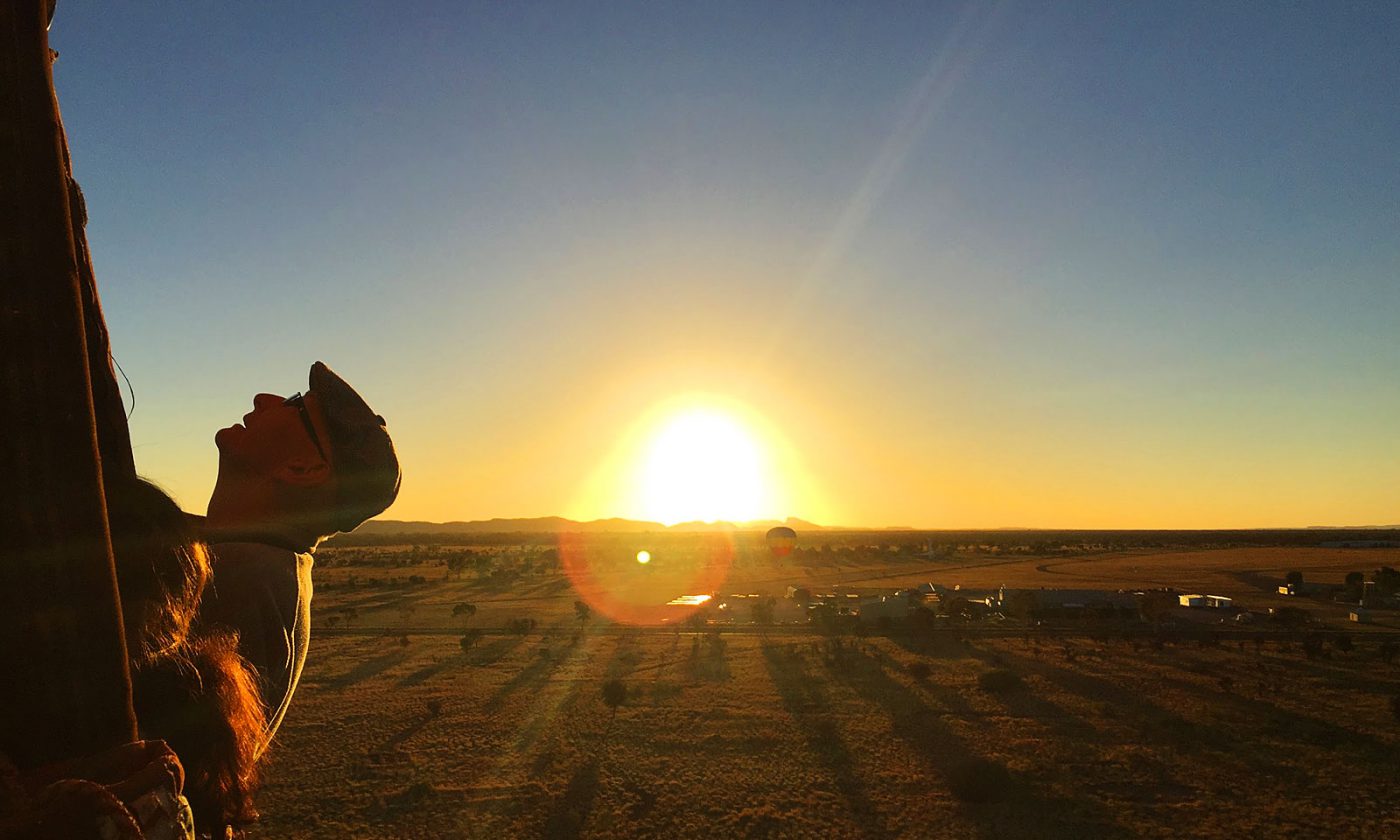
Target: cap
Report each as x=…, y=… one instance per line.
x=366, y=468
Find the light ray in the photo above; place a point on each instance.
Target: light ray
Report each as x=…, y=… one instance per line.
x=947, y=68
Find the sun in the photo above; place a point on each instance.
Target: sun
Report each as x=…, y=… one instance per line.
x=703, y=463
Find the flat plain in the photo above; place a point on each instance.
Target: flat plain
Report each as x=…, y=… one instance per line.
x=735, y=729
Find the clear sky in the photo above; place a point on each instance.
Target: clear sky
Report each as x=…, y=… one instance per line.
x=937, y=264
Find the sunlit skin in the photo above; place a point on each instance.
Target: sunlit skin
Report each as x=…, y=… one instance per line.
x=269, y=451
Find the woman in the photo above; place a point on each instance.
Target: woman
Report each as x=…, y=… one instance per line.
x=190, y=689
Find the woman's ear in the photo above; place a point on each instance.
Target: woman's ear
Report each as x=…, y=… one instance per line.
x=303, y=472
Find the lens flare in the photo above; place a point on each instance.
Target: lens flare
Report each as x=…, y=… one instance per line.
x=644, y=557
x=630, y=592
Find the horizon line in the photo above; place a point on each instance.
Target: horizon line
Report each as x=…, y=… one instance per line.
x=739, y=525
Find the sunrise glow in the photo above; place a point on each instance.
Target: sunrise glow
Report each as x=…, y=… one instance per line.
x=703, y=463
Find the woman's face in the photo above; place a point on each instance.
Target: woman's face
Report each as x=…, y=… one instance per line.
x=275, y=433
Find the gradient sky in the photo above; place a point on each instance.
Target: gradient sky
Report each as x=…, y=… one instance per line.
x=970, y=264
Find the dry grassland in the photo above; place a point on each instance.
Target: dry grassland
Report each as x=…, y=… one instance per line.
x=788, y=735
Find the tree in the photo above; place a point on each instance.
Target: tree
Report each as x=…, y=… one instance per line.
x=1387, y=580
x=469, y=639
x=919, y=670
x=582, y=611
x=464, y=609
x=763, y=607
x=614, y=694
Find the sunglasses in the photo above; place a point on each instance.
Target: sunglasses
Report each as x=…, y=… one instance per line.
x=299, y=401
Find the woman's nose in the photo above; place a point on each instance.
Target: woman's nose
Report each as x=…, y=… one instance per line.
x=262, y=401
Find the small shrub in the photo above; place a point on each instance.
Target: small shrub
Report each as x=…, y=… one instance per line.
x=919, y=670
x=979, y=780
x=614, y=694
x=1000, y=681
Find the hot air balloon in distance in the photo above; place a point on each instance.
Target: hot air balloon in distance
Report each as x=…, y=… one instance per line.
x=781, y=540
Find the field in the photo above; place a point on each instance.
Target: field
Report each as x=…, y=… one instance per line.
x=733, y=729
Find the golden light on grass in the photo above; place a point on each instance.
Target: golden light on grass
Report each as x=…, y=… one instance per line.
x=644, y=557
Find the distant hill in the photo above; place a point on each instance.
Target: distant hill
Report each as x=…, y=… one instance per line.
x=560, y=525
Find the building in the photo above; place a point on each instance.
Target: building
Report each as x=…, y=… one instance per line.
x=1065, y=604
x=893, y=607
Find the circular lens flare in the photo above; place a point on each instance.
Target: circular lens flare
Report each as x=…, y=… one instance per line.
x=644, y=557
x=615, y=587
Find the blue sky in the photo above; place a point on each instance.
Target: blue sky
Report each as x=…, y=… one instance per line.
x=983, y=264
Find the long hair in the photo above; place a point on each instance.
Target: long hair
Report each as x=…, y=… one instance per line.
x=190, y=688
x=202, y=699
x=162, y=568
